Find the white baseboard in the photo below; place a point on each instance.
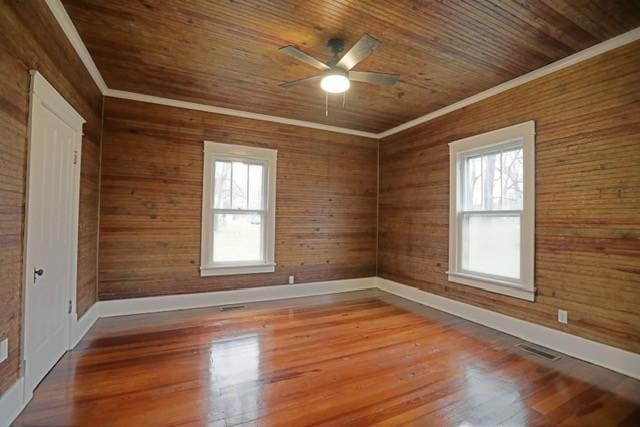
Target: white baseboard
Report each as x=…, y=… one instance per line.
x=85, y=323
x=15, y=398
x=613, y=358
x=210, y=299
x=12, y=402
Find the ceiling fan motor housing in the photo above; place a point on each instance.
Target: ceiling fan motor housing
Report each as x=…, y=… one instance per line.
x=336, y=45
x=337, y=73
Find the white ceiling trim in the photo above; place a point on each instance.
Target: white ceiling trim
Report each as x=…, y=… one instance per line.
x=113, y=93
x=69, y=29
x=577, y=57
x=61, y=15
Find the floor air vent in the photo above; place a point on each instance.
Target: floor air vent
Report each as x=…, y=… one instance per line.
x=231, y=307
x=541, y=352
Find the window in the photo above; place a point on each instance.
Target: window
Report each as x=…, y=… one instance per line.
x=238, y=210
x=491, y=227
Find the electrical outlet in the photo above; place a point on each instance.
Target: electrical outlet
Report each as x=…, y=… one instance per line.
x=4, y=349
x=563, y=316
x=291, y=280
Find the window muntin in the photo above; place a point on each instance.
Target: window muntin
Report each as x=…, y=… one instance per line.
x=238, y=210
x=492, y=211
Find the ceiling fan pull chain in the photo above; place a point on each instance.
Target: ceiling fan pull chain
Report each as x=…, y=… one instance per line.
x=344, y=97
x=326, y=104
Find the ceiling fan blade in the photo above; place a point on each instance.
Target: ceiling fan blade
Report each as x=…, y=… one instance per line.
x=295, y=83
x=298, y=54
x=375, y=78
x=359, y=51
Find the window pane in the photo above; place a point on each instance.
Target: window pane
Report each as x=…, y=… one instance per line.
x=494, y=181
x=237, y=237
x=512, y=179
x=491, y=181
x=255, y=186
x=473, y=189
x=240, y=183
x=491, y=245
x=222, y=185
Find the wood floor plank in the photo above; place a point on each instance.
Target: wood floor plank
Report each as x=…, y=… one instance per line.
x=362, y=358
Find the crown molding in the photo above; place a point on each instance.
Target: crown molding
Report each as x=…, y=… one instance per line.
x=583, y=55
x=69, y=29
x=61, y=15
x=134, y=96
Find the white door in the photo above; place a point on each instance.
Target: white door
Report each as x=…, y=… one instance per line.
x=51, y=230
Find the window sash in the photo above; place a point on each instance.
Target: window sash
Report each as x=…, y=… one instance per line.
x=520, y=136
x=249, y=162
x=462, y=190
x=463, y=213
x=461, y=248
x=265, y=212
x=263, y=234
x=462, y=187
x=239, y=211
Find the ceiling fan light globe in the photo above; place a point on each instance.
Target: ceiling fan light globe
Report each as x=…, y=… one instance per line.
x=335, y=83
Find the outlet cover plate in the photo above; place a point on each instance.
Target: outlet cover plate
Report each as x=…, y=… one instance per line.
x=563, y=316
x=4, y=349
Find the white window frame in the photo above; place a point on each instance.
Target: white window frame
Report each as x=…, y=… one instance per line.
x=522, y=134
x=214, y=151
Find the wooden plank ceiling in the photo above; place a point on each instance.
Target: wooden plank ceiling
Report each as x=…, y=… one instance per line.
x=226, y=53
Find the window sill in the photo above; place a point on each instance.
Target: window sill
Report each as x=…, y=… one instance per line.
x=227, y=270
x=492, y=285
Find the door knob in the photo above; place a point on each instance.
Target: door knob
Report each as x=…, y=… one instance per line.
x=37, y=273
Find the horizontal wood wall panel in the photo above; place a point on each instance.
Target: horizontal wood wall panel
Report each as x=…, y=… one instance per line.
x=151, y=198
x=30, y=38
x=587, y=198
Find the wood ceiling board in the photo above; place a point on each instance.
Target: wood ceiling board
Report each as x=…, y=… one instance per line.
x=226, y=53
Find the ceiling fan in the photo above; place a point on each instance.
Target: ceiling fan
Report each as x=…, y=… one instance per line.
x=337, y=76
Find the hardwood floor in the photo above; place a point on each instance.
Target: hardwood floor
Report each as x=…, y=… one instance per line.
x=361, y=358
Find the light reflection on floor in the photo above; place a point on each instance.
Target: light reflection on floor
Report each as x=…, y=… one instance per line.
x=234, y=373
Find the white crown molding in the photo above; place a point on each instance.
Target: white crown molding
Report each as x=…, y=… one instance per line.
x=114, y=93
x=583, y=55
x=69, y=29
x=61, y=15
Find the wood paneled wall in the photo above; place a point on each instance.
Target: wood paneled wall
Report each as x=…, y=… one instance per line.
x=151, y=196
x=587, y=198
x=30, y=38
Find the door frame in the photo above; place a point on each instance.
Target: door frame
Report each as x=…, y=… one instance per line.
x=43, y=95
